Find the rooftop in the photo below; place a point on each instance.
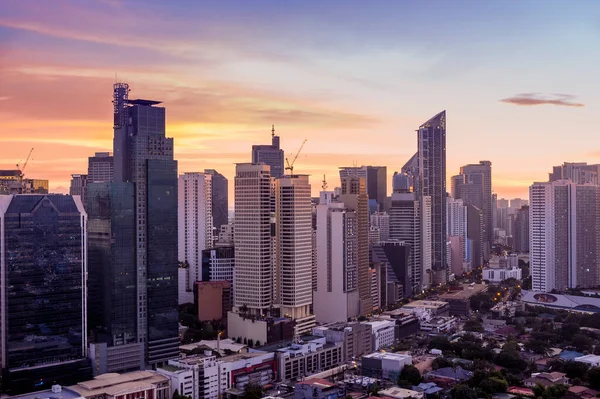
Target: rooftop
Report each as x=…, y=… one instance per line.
x=139, y=101
x=588, y=359
x=65, y=393
x=425, y=304
x=114, y=383
x=317, y=382
x=388, y=356
x=397, y=392
x=467, y=291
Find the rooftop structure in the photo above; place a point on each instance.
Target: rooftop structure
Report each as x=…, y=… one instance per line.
x=465, y=292
x=108, y=386
x=401, y=393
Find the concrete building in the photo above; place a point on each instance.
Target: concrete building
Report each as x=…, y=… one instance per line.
x=386, y=366
x=354, y=196
x=317, y=388
x=78, y=186
x=459, y=298
x=263, y=330
x=292, y=291
x=474, y=236
x=521, y=230
x=401, y=393
x=134, y=385
x=439, y=325
x=355, y=337
x=410, y=222
x=457, y=229
x=195, y=225
x=226, y=234
x=219, y=199
x=392, y=260
x=563, y=226
x=577, y=172
x=43, y=254
x=383, y=333
x=213, y=299
x=271, y=155
x=376, y=182
x=253, y=275
x=381, y=221
x=336, y=298
x=143, y=164
x=436, y=308
x=100, y=168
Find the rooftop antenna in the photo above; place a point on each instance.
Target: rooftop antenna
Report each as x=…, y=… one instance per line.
x=272, y=130
x=324, y=185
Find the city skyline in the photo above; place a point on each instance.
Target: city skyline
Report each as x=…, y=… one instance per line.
x=227, y=72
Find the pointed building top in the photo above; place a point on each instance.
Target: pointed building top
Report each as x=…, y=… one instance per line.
x=437, y=120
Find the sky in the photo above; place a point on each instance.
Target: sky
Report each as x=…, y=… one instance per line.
x=518, y=80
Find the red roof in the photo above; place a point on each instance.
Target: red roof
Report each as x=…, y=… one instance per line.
x=521, y=391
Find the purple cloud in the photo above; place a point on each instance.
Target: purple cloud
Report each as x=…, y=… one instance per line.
x=530, y=99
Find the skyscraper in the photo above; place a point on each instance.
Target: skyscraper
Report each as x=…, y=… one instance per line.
x=577, y=172
x=354, y=196
x=457, y=234
x=564, y=220
x=293, y=247
x=336, y=298
x=220, y=200
x=195, y=224
x=44, y=265
x=253, y=275
x=143, y=156
x=432, y=183
x=78, y=186
x=100, y=168
x=474, y=186
x=271, y=155
x=376, y=180
x=521, y=241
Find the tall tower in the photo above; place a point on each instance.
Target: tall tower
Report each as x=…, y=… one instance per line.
x=195, y=224
x=457, y=234
x=143, y=156
x=432, y=183
x=354, y=196
x=293, y=254
x=271, y=155
x=253, y=274
x=220, y=199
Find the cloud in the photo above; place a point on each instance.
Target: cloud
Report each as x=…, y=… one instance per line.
x=529, y=99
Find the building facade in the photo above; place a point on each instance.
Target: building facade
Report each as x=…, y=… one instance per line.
x=100, y=168
x=78, y=186
x=220, y=199
x=271, y=155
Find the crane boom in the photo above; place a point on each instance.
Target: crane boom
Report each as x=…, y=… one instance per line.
x=22, y=170
x=290, y=166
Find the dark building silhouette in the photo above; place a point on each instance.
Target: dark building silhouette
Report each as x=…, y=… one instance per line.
x=271, y=155
x=521, y=238
x=43, y=335
x=220, y=200
x=393, y=259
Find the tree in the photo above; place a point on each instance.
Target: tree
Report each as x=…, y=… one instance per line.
x=374, y=389
x=440, y=363
x=257, y=343
x=410, y=374
x=582, y=342
x=440, y=343
x=494, y=385
x=473, y=325
x=568, y=330
x=251, y=343
x=593, y=376
x=464, y=392
x=253, y=391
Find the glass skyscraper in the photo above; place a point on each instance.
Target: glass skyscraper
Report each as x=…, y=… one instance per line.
x=43, y=281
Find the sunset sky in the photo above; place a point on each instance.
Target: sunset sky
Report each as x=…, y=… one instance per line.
x=519, y=81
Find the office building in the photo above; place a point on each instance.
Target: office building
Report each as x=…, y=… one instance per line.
x=336, y=298
x=475, y=188
x=143, y=157
x=213, y=300
x=457, y=235
x=563, y=227
x=474, y=236
x=381, y=221
x=253, y=275
x=577, y=172
x=43, y=259
x=459, y=299
x=354, y=196
x=386, y=366
x=376, y=181
x=78, y=186
x=392, y=258
x=220, y=199
x=139, y=384
x=195, y=224
x=271, y=155
x=100, y=168
x=13, y=182
x=410, y=222
x=432, y=183
x=293, y=247
x=356, y=338
x=383, y=333
x=518, y=203
x=218, y=264
x=521, y=236
x=226, y=235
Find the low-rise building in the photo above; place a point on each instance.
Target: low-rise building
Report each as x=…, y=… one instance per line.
x=436, y=308
x=213, y=299
x=591, y=360
x=316, y=388
x=401, y=393
x=459, y=298
x=134, y=385
x=497, y=275
x=439, y=325
x=385, y=366
x=546, y=379
x=355, y=337
x=450, y=374
x=383, y=333
x=263, y=330
x=407, y=323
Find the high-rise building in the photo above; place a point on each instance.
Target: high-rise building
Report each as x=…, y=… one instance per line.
x=521, y=238
x=336, y=297
x=395, y=281
x=143, y=157
x=271, y=155
x=563, y=227
x=517, y=203
x=195, y=225
x=376, y=180
x=354, y=196
x=474, y=187
x=432, y=183
x=220, y=200
x=78, y=186
x=293, y=249
x=381, y=221
x=253, y=276
x=474, y=236
x=44, y=264
x=410, y=222
x=577, y=172
x=100, y=168
x=457, y=234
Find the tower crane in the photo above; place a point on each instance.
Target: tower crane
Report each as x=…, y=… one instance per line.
x=22, y=170
x=290, y=166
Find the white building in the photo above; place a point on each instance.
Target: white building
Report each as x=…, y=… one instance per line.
x=293, y=247
x=301, y=359
x=385, y=365
x=401, y=393
x=456, y=230
x=226, y=234
x=563, y=230
x=383, y=333
x=195, y=224
x=253, y=275
x=497, y=275
x=590, y=360
x=336, y=298
x=381, y=221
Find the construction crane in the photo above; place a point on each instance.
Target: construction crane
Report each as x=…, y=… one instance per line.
x=290, y=166
x=22, y=170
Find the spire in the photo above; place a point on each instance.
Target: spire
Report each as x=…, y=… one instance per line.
x=272, y=130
